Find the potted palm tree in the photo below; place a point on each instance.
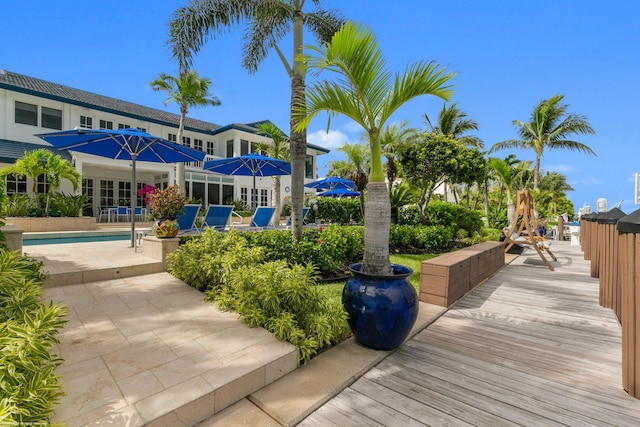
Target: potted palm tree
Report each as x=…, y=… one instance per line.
x=381, y=303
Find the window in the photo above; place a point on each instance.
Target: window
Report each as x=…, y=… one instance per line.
x=86, y=122
x=227, y=194
x=244, y=196
x=106, y=193
x=210, y=148
x=197, y=144
x=124, y=193
x=213, y=194
x=123, y=126
x=143, y=129
x=26, y=114
x=51, y=118
x=230, y=148
x=87, y=190
x=197, y=194
x=264, y=197
x=171, y=137
x=244, y=147
x=308, y=167
x=186, y=141
x=15, y=184
x=106, y=124
x=41, y=184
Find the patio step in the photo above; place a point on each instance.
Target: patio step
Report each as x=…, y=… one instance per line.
x=148, y=350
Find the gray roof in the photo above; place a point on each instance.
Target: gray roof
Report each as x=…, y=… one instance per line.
x=58, y=92
x=12, y=150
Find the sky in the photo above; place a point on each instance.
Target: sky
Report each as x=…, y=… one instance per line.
x=507, y=55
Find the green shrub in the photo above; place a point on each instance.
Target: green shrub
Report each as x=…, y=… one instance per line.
x=206, y=262
x=28, y=384
x=338, y=211
x=68, y=204
x=434, y=238
x=18, y=205
x=284, y=300
x=408, y=215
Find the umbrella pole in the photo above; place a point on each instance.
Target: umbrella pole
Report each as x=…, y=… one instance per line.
x=254, y=196
x=134, y=195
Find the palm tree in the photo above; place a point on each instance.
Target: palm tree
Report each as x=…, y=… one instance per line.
x=549, y=127
x=42, y=162
x=187, y=90
x=454, y=122
x=391, y=138
x=368, y=93
x=354, y=168
x=278, y=149
x=268, y=22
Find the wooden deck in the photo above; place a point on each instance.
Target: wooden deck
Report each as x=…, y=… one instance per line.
x=529, y=347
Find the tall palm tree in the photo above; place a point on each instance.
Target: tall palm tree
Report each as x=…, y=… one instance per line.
x=548, y=128
x=278, y=149
x=268, y=22
x=367, y=92
x=187, y=90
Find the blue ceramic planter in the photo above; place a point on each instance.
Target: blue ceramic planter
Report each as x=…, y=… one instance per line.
x=382, y=309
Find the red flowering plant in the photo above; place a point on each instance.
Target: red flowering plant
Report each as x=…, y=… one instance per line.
x=146, y=191
x=167, y=203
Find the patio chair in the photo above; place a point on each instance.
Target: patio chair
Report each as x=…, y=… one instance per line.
x=262, y=217
x=216, y=217
x=305, y=211
x=123, y=212
x=187, y=219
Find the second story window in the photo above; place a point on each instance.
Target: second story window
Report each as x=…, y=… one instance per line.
x=186, y=141
x=26, y=114
x=106, y=124
x=172, y=137
x=86, y=122
x=197, y=144
x=123, y=126
x=244, y=147
x=210, y=148
x=51, y=118
x=229, y=148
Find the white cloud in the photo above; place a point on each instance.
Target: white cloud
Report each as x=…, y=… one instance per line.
x=561, y=168
x=331, y=140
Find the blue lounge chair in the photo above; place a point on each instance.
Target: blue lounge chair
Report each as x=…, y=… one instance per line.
x=217, y=217
x=305, y=211
x=187, y=219
x=262, y=217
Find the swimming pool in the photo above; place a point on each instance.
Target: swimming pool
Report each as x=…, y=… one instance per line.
x=31, y=239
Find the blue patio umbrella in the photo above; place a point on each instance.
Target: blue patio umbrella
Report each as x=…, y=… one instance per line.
x=339, y=192
x=331, y=183
x=123, y=144
x=249, y=165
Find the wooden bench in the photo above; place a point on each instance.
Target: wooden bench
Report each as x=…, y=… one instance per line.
x=446, y=278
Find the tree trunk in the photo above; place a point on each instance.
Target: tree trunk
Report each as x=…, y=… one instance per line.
x=180, y=180
x=376, y=231
x=297, y=140
x=275, y=200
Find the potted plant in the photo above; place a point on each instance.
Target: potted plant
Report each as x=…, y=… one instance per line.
x=381, y=303
x=166, y=205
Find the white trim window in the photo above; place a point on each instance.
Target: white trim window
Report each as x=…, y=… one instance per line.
x=86, y=122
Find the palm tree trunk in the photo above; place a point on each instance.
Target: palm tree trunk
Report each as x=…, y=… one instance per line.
x=376, y=233
x=297, y=140
x=275, y=200
x=180, y=179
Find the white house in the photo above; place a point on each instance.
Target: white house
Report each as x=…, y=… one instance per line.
x=30, y=106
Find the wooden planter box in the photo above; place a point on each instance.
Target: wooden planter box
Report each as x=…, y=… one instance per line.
x=446, y=278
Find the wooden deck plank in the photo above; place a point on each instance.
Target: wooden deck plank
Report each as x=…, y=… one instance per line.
x=527, y=347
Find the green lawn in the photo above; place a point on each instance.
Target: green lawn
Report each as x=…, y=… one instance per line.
x=333, y=291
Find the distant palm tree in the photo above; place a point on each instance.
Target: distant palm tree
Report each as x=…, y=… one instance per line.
x=453, y=122
x=268, y=23
x=367, y=92
x=391, y=138
x=355, y=168
x=549, y=127
x=187, y=90
x=278, y=149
